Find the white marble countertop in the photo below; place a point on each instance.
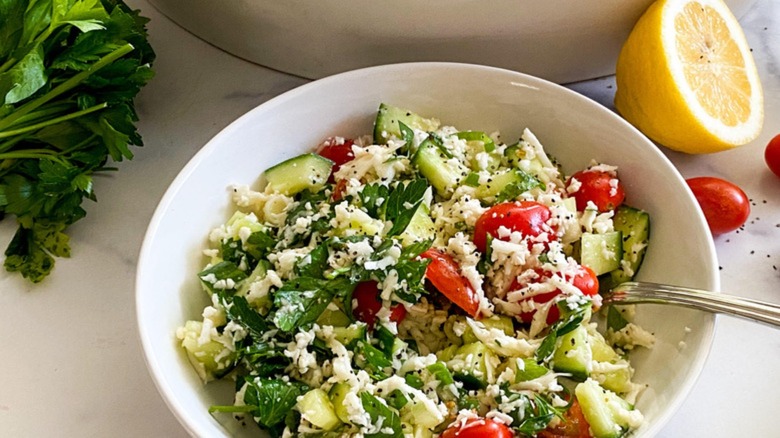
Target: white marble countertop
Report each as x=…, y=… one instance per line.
x=72, y=363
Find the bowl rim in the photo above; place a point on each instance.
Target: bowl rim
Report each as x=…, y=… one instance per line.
x=156, y=369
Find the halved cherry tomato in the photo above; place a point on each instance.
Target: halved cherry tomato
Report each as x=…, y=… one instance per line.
x=772, y=155
x=444, y=273
x=725, y=205
x=527, y=217
x=478, y=428
x=602, y=188
x=337, y=151
x=369, y=304
x=573, y=425
x=585, y=280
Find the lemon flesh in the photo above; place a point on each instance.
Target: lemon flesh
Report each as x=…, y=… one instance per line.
x=686, y=78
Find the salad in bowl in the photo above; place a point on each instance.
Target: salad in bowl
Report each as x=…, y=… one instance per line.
x=413, y=277
x=424, y=280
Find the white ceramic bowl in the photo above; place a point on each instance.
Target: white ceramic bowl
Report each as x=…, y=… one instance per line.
x=572, y=128
x=559, y=40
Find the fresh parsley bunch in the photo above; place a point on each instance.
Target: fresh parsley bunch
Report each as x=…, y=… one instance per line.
x=69, y=71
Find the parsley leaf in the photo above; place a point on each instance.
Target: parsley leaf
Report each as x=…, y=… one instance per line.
x=411, y=271
x=403, y=203
x=536, y=415
x=265, y=359
x=407, y=135
x=373, y=360
x=223, y=271
x=30, y=251
x=376, y=409
x=314, y=264
x=302, y=300
x=373, y=198
x=240, y=312
x=272, y=399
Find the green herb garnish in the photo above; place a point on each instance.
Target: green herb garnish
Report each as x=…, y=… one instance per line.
x=69, y=71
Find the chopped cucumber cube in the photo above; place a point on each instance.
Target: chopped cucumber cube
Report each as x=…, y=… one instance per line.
x=420, y=414
x=351, y=334
x=474, y=364
x=416, y=431
x=515, y=157
x=573, y=354
x=387, y=118
x=605, y=411
x=336, y=318
x=617, y=372
x=481, y=151
x=444, y=173
x=261, y=302
x=337, y=395
x=315, y=407
x=241, y=220
x=502, y=180
x=420, y=228
x=211, y=359
x=601, y=252
x=307, y=171
x=635, y=226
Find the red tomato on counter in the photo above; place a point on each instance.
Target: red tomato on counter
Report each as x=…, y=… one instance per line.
x=772, y=155
x=724, y=204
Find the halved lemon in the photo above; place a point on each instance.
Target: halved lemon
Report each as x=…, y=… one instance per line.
x=686, y=78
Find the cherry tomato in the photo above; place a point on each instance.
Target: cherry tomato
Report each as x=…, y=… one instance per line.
x=369, y=304
x=444, y=273
x=527, y=217
x=601, y=188
x=725, y=205
x=337, y=151
x=573, y=425
x=478, y=428
x=772, y=155
x=585, y=280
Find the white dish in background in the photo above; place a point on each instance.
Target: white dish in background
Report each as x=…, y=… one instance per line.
x=559, y=40
x=572, y=128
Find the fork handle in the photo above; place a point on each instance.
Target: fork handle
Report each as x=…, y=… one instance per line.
x=643, y=292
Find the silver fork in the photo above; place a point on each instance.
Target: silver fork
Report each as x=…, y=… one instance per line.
x=643, y=292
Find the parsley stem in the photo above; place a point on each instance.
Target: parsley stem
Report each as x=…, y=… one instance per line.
x=46, y=154
x=7, y=64
x=30, y=106
x=53, y=121
x=51, y=110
